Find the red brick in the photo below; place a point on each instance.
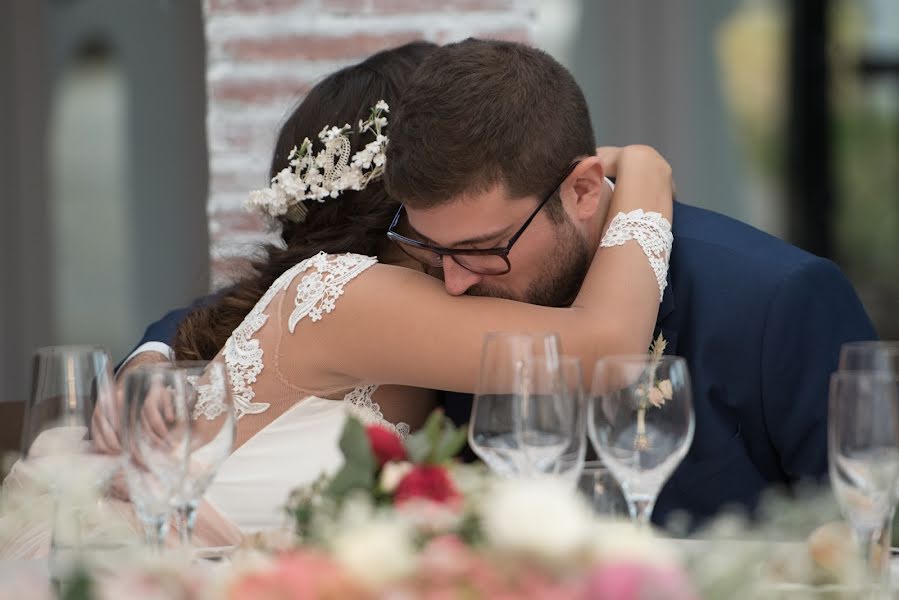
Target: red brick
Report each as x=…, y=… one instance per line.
x=217, y=7
x=314, y=47
x=231, y=222
x=259, y=91
x=424, y=6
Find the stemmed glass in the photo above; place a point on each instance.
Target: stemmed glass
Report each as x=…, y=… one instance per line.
x=210, y=406
x=883, y=357
x=571, y=461
x=518, y=424
x=156, y=438
x=863, y=451
x=641, y=423
x=68, y=384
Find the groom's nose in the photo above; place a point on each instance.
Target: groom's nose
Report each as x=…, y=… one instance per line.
x=458, y=279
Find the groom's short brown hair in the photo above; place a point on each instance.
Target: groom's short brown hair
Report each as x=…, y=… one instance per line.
x=483, y=112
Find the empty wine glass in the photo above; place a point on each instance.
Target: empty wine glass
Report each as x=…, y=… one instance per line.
x=571, y=461
x=875, y=356
x=68, y=384
x=156, y=437
x=863, y=451
x=641, y=423
x=505, y=405
x=212, y=423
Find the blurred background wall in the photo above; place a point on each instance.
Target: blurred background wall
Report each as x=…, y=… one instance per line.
x=782, y=113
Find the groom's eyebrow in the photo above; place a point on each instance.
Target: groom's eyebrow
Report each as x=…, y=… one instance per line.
x=480, y=239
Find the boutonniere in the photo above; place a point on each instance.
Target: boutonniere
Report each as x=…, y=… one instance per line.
x=651, y=393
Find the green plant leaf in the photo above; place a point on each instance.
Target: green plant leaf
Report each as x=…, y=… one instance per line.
x=451, y=442
x=418, y=447
x=433, y=427
x=359, y=466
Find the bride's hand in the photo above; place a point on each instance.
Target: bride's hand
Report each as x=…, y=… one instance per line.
x=617, y=160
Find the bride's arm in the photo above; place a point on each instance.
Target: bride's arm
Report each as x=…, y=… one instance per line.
x=395, y=325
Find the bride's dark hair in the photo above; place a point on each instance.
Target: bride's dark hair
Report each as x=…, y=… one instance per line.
x=355, y=221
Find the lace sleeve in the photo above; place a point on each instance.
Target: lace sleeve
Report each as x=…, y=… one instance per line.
x=652, y=232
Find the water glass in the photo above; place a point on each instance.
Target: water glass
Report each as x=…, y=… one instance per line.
x=571, y=461
x=641, y=423
x=874, y=356
x=516, y=421
x=863, y=451
x=68, y=384
x=210, y=406
x=156, y=438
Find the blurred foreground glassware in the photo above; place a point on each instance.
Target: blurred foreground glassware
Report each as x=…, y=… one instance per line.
x=863, y=452
x=518, y=424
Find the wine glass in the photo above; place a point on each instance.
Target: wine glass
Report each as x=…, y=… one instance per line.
x=863, y=451
x=68, y=384
x=212, y=427
x=571, y=461
x=874, y=356
x=505, y=405
x=156, y=438
x=641, y=423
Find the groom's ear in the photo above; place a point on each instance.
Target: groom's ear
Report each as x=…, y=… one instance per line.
x=586, y=181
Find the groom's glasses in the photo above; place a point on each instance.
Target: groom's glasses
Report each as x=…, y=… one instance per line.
x=483, y=261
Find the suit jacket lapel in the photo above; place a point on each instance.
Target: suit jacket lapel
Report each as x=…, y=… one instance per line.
x=664, y=323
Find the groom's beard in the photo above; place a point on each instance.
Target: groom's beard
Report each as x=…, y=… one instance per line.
x=561, y=275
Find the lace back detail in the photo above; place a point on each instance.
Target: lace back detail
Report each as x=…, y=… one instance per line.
x=317, y=294
x=652, y=232
x=360, y=404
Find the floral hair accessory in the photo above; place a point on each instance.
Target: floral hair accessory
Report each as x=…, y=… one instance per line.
x=326, y=174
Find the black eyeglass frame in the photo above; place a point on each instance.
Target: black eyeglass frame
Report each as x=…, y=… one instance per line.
x=502, y=252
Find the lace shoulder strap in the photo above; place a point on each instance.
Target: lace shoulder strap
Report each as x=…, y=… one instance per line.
x=319, y=289
x=317, y=293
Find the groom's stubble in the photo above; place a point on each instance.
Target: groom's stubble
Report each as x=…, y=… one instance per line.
x=560, y=276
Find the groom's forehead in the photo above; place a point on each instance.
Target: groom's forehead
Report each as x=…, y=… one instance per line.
x=466, y=220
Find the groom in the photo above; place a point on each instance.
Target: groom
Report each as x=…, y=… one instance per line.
x=485, y=128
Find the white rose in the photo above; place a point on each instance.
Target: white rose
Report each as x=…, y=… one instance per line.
x=622, y=540
x=378, y=551
x=541, y=517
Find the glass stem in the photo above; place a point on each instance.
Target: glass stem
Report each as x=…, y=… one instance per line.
x=187, y=520
x=869, y=542
x=161, y=530
x=641, y=511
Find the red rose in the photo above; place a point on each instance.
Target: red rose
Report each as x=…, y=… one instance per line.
x=428, y=482
x=385, y=444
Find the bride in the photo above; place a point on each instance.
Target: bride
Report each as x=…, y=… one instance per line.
x=338, y=320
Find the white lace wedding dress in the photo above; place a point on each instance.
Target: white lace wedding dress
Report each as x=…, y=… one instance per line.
x=301, y=442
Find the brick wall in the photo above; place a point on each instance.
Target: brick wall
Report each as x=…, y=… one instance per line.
x=265, y=54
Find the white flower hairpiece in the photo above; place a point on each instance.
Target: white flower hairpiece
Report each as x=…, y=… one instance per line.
x=326, y=174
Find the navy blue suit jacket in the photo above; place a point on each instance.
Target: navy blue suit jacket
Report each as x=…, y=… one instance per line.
x=760, y=323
